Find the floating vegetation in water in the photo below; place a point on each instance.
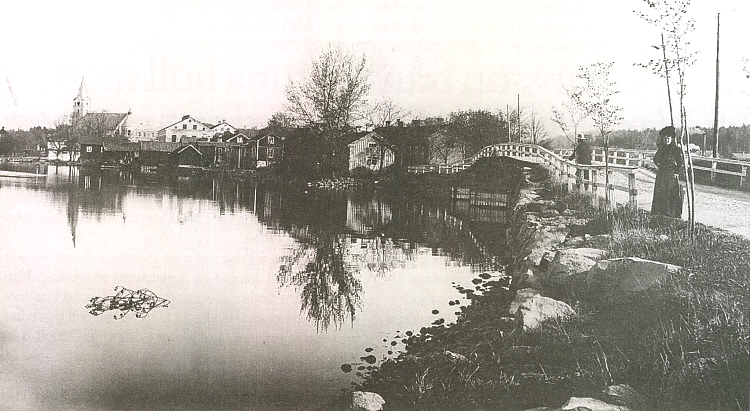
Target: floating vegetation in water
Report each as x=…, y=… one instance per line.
x=346, y=368
x=126, y=300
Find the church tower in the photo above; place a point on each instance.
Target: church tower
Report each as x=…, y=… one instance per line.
x=81, y=102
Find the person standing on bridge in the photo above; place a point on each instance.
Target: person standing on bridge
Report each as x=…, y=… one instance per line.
x=582, y=155
x=667, y=191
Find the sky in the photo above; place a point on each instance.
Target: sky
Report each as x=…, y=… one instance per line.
x=232, y=59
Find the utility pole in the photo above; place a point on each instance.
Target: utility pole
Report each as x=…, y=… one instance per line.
x=518, y=116
x=716, y=104
x=533, y=127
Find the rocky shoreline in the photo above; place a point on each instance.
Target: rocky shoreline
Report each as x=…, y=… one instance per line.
x=502, y=351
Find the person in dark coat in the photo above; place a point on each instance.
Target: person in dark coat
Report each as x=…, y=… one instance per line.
x=582, y=155
x=667, y=191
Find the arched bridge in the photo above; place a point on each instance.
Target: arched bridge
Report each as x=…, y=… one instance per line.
x=622, y=178
x=630, y=183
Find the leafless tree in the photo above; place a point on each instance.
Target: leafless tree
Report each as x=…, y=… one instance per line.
x=62, y=138
x=385, y=111
x=672, y=19
x=281, y=119
x=335, y=93
x=596, y=98
x=571, y=114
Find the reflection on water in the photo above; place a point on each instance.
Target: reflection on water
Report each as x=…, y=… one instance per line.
x=328, y=288
x=270, y=289
x=141, y=302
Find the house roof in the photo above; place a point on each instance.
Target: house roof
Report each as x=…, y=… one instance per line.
x=187, y=147
x=234, y=137
x=394, y=137
x=222, y=122
x=261, y=137
x=185, y=118
x=120, y=146
x=164, y=147
x=94, y=127
x=398, y=136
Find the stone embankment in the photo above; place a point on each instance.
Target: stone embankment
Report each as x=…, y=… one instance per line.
x=554, y=255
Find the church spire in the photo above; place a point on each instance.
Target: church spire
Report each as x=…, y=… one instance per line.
x=81, y=102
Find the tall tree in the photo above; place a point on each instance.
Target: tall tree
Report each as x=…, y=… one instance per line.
x=331, y=99
x=335, y=93
x=672, y=19
x=476, y=129
x=596, y=98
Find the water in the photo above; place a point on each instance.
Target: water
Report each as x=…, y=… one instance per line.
x=270, y=291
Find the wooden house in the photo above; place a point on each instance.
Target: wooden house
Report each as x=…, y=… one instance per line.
x=186, y=156
x=370, y=151
x=267, y=150
x=93, y=129
x=119, y=153
x=155, y=153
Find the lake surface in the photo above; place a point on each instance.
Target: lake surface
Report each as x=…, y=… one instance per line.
x=270, y=290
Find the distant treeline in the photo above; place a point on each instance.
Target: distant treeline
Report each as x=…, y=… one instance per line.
x=732, y=139
x=18, y=141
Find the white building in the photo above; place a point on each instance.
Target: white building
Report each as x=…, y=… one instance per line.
x=188, y=129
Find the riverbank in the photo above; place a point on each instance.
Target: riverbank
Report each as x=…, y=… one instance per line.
x=598, y=306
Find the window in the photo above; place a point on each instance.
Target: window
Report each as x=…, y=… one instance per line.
x=271, y=153
x=184, y=126
x=373, y=154
x=195, y=126
x=270, y=139
x=89, y=149
x=174, y=138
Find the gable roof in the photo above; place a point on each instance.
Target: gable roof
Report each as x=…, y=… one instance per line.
x=399, y=136
x=186, y=117
x=101, y=121
x=235, y=136
x=189, y=146
x=222, y=122
x=374, y=136
x=264, y=136
x=93, y=127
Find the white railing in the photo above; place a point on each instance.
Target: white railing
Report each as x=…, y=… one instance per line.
x=564, y=170
x=617, y=156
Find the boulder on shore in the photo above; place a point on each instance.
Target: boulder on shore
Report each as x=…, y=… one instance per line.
x=366, y=401
x=591, y=404
x=546, y=237
x=532, y=309
x=619, y=276
x=569, y=262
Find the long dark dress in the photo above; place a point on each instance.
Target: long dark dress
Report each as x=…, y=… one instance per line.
x=667, y=191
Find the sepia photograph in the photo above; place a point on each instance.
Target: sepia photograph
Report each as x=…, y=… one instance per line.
x=375, y=205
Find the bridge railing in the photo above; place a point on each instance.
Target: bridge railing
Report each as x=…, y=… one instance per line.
x=589, y=178
x=617, y=156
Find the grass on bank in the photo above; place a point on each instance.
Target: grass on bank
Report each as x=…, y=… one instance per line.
x=682, y=346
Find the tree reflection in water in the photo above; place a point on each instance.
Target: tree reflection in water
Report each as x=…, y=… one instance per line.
x=330, y=292
x=126, y=300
